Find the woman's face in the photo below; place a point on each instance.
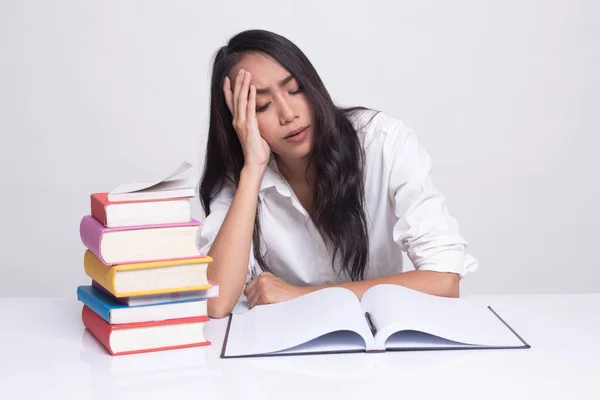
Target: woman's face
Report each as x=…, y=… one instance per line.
x=282, y=107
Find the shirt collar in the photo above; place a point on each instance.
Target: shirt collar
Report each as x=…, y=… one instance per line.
x=273, y=178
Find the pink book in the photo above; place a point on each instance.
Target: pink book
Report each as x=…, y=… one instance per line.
x=142, y=243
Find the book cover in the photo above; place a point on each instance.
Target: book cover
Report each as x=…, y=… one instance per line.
x=91, y=232
x=105, y=275
x=104, y=305
x=103, y=331
x=99, y=202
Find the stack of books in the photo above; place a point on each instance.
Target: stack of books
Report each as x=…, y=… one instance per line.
x=149, y=286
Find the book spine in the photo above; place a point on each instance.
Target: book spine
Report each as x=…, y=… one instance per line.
x=98, y=327
x=97, y=306
x=98, y=209
x=91, y=232
x=375, y=350
x=103, y=274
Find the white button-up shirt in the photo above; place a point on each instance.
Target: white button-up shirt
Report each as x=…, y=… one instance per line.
x=405, y=212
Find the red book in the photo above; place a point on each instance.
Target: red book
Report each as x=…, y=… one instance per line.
x=157, y=336
x=114, y=214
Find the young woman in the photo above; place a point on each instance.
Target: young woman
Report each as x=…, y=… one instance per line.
x=301, y=194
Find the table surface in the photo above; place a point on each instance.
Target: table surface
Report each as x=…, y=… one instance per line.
x=47, y=353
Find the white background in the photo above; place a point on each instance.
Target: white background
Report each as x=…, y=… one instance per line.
x=504, y=95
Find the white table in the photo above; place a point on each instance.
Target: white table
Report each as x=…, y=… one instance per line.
x=47, y=353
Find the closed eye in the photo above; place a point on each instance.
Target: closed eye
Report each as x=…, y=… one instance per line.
x=265, y=106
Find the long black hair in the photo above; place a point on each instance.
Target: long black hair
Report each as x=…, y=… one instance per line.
x=337, y=154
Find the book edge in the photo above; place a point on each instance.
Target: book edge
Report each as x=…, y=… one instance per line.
x=226, y=338
x=526, y=345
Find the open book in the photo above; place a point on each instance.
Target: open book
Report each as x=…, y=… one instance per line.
x=388, y=318
x=175, y=185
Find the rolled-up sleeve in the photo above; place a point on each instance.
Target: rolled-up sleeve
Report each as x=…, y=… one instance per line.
x=424, y=229
x=212, y=223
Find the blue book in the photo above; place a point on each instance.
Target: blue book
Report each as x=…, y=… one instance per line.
x=115, y=312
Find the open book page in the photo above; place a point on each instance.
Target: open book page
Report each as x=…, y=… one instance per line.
x=406, y=318
x=339, y=341
x=297, y=323
x=174, y=180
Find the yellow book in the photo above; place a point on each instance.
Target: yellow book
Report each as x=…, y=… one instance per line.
x=140, y=279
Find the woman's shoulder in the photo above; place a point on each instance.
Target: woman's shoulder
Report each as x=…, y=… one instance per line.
x=375, y=125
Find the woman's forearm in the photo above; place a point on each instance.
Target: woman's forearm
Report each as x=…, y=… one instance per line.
x=231, y=249
x=444, y=284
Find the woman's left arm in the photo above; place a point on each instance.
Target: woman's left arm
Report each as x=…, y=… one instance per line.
x=443, y=284
x=423, y=228
x=267, y=288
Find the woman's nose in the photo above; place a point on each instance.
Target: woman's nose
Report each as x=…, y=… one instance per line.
x=286, y=113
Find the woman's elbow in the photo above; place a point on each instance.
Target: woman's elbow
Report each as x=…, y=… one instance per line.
x=450, y=285
x=442, y=284
x=217, y=309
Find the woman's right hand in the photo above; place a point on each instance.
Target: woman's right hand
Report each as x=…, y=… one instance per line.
x=242, y=104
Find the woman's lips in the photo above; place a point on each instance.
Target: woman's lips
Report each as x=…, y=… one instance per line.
x=298, y=137
x=296, y=131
